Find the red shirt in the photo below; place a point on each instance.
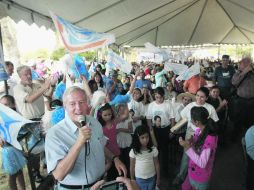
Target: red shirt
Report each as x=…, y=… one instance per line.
x=194, y=83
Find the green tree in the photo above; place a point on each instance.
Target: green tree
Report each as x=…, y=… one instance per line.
x=57, y=54
x=89, y=55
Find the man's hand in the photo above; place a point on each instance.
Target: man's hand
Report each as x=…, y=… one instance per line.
x=158, y=182
x=97, y=185
x=130, y=184
x=47, y=83
x=84, y=134
x=120, y=167
x=247, y=69
x=223, y=103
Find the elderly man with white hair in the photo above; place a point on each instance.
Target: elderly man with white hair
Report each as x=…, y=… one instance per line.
x=75, y=150
x=243, y=80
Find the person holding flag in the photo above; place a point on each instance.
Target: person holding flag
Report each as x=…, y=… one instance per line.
x=13, y=159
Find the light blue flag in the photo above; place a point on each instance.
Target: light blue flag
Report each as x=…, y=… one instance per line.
x=79, y=67
x=77, y=39
x=118, y=62
x=10, y=125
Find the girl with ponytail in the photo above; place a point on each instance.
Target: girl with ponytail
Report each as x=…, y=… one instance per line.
x=200, y=150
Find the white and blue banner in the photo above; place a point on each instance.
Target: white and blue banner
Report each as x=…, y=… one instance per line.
x=161, y=52
x=77, y=39
x=190, y=72
x=118, y=62
x=175, y=67
x=10, y=125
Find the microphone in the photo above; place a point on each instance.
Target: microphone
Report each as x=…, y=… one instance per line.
x=82, y=120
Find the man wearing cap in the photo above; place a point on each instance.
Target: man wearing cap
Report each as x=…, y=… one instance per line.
x=223, y=75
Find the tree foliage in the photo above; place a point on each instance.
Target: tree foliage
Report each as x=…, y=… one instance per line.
x=57, y=54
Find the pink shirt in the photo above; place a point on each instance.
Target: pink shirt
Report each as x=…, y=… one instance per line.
x=201, y=165
x=112, y=142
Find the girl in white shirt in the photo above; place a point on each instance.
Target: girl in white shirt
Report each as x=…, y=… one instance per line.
x=144, y=164
x=124, y=130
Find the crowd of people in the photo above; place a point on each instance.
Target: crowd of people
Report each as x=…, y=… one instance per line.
x=104, y=126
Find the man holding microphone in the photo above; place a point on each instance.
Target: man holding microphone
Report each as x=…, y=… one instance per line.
x=76, y=154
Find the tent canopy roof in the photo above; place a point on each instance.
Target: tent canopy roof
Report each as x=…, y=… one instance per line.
x=161, y=22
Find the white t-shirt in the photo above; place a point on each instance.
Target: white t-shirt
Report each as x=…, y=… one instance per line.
x=138, y=109
x=144, y=165
x=185, y=113
x=124, y=139
x=164, y=110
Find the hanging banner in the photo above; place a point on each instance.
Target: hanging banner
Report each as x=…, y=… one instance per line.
x=77, y=39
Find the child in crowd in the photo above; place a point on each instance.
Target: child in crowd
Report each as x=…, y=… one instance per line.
x=108, y=121
x=221, y=108
x=170, y=93
x=13, y=159
x=200, y=150
x=124, y=130
x=215, y=100
x=144, y=164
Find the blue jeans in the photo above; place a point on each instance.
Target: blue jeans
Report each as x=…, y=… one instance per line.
x=146, y=184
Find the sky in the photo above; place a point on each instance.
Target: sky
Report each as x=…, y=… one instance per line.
x=31, y=37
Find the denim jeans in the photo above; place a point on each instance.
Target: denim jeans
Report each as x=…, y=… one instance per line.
x=146, y=184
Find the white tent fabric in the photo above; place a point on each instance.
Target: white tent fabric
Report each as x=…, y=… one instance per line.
x=134, y=22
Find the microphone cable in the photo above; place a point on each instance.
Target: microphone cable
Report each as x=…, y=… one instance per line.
x=87, y=153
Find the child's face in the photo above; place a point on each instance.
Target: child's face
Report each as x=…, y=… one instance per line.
x=159, y=99
x=169, y=87
x=106, y=115
x=7, y=103
x=158, y=122
x=123, y=110
x=215, y=93
x=136, y=95
x=97, y=78
x=144, y=139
